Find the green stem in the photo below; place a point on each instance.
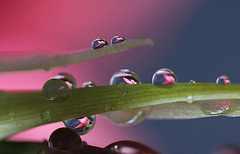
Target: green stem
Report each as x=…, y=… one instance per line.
x=42, y=61
x=21, y=111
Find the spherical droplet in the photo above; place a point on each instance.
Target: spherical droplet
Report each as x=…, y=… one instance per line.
x=46, y=116
x=68, y=79
x=55, y=90
x=131, y=147
x=223, y=79
x=192, y=81
x=124, y=76
x=88, y=84
x=218, y=106
x=164, y=77
x=117, y=39
x=64, y=139
x=99, y=43
x=81, y=125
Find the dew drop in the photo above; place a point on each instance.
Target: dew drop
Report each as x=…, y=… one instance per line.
x=88, y=84
x=129, y=116
x=46, y=116
x=190, y=99
x=117, y=39
x=192, y=81
x=64, y=139
x=55, y=90
x=164, y=76
x=11, y=115
x=81, y=125
x=68, y=79
x=218, y=106
x=130, y=147
x=99, y=43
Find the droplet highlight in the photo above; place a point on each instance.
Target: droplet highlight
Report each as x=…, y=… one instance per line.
x=164, y=76
x=117, y=39
x=55, y=90
x=67, y=78
x=81, y=125
x=99, y=43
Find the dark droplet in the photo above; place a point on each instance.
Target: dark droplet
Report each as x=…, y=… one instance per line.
x=99, y=43
x=164, y=77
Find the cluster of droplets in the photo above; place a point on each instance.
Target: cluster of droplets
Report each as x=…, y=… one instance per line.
x=101, y=42
x=65, y=140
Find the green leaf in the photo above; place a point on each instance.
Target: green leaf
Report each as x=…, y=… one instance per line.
x=43, y=61
x=21, y=111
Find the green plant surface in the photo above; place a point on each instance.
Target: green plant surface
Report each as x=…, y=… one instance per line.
x=21, y=111
x=47, y=61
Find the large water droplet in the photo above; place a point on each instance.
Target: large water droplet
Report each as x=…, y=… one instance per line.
x=46, y=116
x=130, y=116
x=164, y=76
x=218, y=106
x=68, y=79
x=64, y=139
x=117, y=39
x=81, y=125
x=131, y=147
x=55, y=90
x=99, y=43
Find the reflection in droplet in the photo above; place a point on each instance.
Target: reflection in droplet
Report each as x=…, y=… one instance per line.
x=192, y=81
x=88, y=84
x=81, y=125
x=117, y=39
x=164, y=76
x=223, y=79
x=55, y=90
x=124, y=76
x=99, y=43
x=131, y=147
x=68, y=79
x=46, y=116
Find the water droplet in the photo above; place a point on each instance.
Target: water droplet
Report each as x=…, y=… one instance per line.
x=68, y=79
x=223, y=79
x=117, y=39
x=164, y=77
x=11, y=115
x=190, y=99
x=64, y=139
x=55, y=90
x=192, y=81
x=99, y=43
x=130, y=147
x=129, y=116
x=46, y=116
x=81, y=125
x=218, y=106
x=124, y=76
x=88, y=84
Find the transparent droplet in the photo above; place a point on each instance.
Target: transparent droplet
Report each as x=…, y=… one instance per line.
x=218, y=106
x=164, y=77
x=129, y=116
x=117, y=39
x=64, y=139
x=88, y=84
x=131, y=147
x=46, y=116
x=11, y=115
x=68, y=79
x=192, y=81
x=190, y=99
x=99, y=43
x=55, y=90
x=81, y=125
x=223, y=79
x=124, y=76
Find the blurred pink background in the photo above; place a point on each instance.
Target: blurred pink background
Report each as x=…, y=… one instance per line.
x=59, y=26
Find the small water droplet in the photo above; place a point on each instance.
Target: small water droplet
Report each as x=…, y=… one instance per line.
x=190, y=99
x=130, y=147
x=117, y=39
x=223, y=79
x=46, y=116
x=11, y=115
x=99, y=43
x=64, y=139
x=67, y=78
x=89, y=84
x=164, y=77
x=55, y=90
x=81, y=125
x=124, y=76
x=192, y=81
